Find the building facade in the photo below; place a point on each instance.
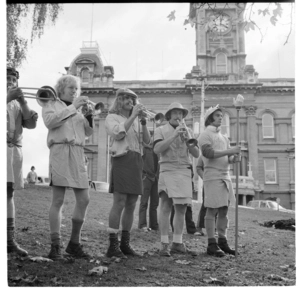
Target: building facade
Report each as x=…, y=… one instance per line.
x=267, y=119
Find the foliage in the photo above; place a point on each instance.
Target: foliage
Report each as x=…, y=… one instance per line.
x=247, y=21
x=40, y=14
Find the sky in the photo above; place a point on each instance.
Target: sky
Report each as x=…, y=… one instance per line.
x=139, y=41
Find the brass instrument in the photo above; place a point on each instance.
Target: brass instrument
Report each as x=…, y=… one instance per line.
x=91, y=108
x=42, y=96
x=146, y=113
x=185, y=134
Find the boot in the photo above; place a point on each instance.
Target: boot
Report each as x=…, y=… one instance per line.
x=114, y=249
x=55, y=252
x=223, y=245
x=77, y=251
x=12, y=246
x=213, y=249
x=125, y=246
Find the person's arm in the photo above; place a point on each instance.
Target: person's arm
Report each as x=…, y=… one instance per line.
x=164, y=144
x=146, y=134
x=200, y=167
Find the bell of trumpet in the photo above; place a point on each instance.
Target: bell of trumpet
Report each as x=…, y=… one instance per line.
x=92, y=108
x=185, y=134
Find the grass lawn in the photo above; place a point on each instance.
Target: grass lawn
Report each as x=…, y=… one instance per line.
x=267, y=255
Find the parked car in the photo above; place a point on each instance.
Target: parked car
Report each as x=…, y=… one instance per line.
x=268, y=205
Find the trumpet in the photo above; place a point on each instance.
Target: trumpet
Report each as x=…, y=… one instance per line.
x=185, y=134
x=91, y=108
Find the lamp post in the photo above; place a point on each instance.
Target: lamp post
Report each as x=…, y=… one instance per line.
x=238, y=103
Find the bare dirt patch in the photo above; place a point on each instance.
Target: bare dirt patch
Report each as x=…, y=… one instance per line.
x=267, y=255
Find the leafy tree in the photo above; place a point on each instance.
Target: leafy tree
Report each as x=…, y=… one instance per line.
x=40, y=14
x=271, y=10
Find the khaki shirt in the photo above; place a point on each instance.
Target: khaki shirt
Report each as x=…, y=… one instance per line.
x=177, y=155
x=65, y=124
x=120, y=140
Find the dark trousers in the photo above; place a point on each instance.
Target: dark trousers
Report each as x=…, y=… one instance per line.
x=149, y=191
x=190, y=225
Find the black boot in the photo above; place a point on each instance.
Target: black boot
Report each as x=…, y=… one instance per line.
x=125, y=246
x=223, y=245
x=12, y=246
x=213, y=249
x=114, y=249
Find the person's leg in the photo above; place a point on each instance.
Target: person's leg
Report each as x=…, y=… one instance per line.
x=222, y=226
x=177, y=245
x=154, y=200
x=172, y=218
x=82, y=201
x=212, y=248
x=114, y=218
x=127, y=221
x=190, y=224
x=144, y=203
x=58, y=195
x=12, y=246
x=165, y=207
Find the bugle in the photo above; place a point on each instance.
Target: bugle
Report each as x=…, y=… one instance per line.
x=185, y=134
x=91, y=108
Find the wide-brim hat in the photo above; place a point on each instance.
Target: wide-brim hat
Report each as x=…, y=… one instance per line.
x=176, y=105
x=210, y=111
x=127, y=92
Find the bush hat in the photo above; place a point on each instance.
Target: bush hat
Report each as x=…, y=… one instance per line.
x=210, y=111
x=176, y=105
x=126, y=91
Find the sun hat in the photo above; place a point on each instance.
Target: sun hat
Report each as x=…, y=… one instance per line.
x=176, y=105
x=126, y=91
x=210, y=111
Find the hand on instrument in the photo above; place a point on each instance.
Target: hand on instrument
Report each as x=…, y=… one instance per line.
x=15, y=94
x=137, y=110
x=235, y=158
x=80, y=101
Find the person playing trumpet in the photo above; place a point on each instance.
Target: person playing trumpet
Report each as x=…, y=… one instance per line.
x=67, y=129
x=19, y=115
x=126, y=168
x=174, y=143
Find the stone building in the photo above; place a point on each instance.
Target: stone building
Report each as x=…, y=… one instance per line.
x=267, y=120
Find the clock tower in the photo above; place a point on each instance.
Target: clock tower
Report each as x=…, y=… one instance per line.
x=220, y=39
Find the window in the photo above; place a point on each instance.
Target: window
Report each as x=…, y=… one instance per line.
x=221, y=61
x=85, y=76
x=293, y=124
x=270, y=171
x=267, y=126
x=225, y=127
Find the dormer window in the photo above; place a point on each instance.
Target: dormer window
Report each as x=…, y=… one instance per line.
x=85, y=75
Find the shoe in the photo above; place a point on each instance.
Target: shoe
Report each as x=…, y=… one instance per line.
x=164, y=251
x=145, y=229
x=125, y=245
x=197, y=233
x=55, y=252
x=13, y=247
x=114, y=248
x=178, y=248
x=214, y=250
x=76, y=250
x=223, y=245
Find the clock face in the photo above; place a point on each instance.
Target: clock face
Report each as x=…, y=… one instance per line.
x=221, y=23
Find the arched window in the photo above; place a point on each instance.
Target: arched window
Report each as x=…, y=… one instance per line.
x=225, y=127
x=293, y=124
x=221, y=62
x=85, y=76
x=267, y=125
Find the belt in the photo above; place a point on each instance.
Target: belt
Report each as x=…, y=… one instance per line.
x=11, y=144
x=68, y=143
